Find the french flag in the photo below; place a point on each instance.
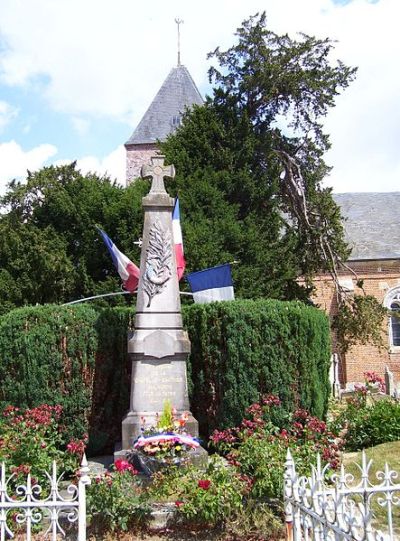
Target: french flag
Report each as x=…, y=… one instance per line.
x=128, y=271
x=211, y=285
x=177, y=234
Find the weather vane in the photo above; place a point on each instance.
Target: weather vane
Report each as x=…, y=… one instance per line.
x=179, y=22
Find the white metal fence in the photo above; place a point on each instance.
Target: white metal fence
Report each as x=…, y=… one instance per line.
x=22, y=506
x=339, y=508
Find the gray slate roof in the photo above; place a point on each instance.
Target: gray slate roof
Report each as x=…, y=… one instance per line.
x=371, y=224
x=177, y=92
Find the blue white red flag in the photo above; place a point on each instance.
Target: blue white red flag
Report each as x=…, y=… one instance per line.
x=128, y=271
x=211, y=285
x=178, y=242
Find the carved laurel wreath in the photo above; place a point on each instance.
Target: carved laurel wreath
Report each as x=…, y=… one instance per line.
x=158, y=261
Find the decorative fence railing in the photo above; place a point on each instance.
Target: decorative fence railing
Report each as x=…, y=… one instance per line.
x=26, y=506
x=339, y=508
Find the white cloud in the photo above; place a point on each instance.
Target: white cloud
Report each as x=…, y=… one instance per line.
x=112, y=165
x=108, y=58
x=97, y=58
x=7, y=113
x=14, y=161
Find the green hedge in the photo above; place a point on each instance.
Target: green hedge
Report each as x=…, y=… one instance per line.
x=76, y=356
x=243, y=348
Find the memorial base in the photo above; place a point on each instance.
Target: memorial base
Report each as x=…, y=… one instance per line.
x=132, y=425
x=148, y=465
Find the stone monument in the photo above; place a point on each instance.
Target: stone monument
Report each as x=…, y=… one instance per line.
x=158, y=348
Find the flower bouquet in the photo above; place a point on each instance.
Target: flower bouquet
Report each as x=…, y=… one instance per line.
x=164, y=444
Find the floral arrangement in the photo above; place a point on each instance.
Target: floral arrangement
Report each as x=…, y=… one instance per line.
x=167, y=440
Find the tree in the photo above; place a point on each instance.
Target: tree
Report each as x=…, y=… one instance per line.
x=250, y=169
x=50, y=249
x=250, y=163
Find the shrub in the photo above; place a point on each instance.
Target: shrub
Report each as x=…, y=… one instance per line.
x=76, y=356
x=366, y=421
x=115, y=500
x=73, y=356
x=208, y=497
x=31, y=440
x=257, y=447
x=376, y=423
x=242, y=349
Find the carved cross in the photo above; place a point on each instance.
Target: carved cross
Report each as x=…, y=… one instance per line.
x=157, y=171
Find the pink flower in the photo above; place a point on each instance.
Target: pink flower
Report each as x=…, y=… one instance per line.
x=179, y=503
x=122, y=465
x=76, y=447
x=204, y=484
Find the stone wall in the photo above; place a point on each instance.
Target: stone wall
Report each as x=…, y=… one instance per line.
x=379, y=277
x=136, y=156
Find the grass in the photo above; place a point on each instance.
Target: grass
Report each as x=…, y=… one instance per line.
x=385, y=453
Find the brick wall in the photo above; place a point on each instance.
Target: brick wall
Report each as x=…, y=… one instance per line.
x=136, y=156
x=379, y=277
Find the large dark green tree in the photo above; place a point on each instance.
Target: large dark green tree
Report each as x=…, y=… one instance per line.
x=50, y=249
x=250, y=163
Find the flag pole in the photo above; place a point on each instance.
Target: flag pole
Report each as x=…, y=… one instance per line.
x=112, y=295
x=98, y=297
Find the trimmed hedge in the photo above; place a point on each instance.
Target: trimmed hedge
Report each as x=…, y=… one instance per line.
x=243, y=348
x=76, y=356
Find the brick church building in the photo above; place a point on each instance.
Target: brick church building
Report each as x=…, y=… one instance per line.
x=373, y=234
x=370, y=226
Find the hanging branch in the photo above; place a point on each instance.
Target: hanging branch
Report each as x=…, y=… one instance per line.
x=311, y=220
x=360, y=317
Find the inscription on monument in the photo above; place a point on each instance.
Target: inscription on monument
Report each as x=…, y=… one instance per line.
x=154, y=384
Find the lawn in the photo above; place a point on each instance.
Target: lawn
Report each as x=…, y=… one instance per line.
x=385, y=453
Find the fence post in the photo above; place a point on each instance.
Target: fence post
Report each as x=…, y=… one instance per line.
x=3, y=514
x=288, y=494
x=84, y=480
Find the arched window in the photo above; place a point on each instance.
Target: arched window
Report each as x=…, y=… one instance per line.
x=395, y=323
x=392, y=303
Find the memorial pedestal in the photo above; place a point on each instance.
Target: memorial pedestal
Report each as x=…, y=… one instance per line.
x=158, y=348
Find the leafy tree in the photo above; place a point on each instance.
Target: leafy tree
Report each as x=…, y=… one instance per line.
x=250, y=170
x=250, y=163
x=50, y=249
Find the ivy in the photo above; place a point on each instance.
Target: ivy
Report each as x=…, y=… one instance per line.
x=359, y=321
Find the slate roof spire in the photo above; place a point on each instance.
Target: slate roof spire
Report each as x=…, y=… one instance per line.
x=177, y=92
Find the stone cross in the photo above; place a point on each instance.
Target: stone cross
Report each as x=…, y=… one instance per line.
x=157, y=171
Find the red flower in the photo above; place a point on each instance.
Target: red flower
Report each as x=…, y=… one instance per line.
x=178, y=503
x=271, y=400
x=122, y=465
x=204, y=484
x=76, y=447
x=23, y=469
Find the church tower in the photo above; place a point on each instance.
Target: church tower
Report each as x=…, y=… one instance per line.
x=164, y=115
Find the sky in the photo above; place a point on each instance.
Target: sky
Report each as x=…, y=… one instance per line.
x=76, y=76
